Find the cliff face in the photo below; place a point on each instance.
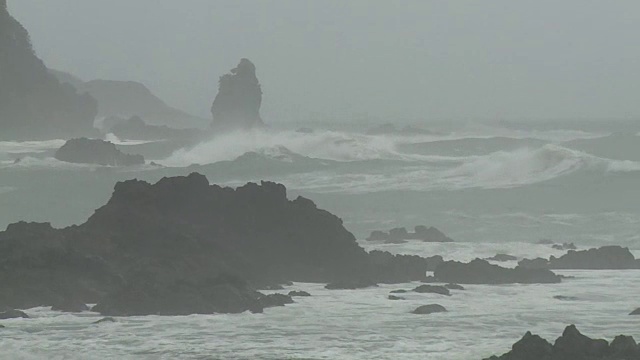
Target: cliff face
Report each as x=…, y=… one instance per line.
x=33, y=104
x=237, y=105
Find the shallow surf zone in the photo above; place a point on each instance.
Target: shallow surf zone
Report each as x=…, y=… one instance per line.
x=345, y=324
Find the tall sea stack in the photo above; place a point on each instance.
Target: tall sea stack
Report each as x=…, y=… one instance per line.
x=33, y=103
x=237, y=105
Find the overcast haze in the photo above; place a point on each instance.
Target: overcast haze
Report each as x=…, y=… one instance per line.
x=375, y=59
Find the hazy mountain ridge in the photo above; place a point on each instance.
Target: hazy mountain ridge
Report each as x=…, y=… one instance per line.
x=125, y=99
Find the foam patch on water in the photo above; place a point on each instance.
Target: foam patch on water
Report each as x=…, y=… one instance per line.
x=346, y=324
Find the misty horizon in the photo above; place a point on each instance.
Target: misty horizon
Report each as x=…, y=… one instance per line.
x=359, y=61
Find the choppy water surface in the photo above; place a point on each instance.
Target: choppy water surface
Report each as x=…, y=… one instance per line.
x=493, y=190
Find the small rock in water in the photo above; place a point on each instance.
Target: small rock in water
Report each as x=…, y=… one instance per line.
x=502, y=257
x=13, y=314
x=429, y=309
x=393, y=297
x=400, y=291
x=298, y=293
x=565, y=298
x=635, y=312
x=454, y=287
x=105, y=320
x=432, y=289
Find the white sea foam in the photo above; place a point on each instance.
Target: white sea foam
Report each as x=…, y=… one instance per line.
x=502, y=169
x=345, y=324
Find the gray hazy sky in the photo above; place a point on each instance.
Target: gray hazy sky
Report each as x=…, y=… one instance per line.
x=388, y=59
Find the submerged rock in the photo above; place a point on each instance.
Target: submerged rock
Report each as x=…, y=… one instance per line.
x=502, y=257
x=454, y=287
x=237, y=105
x=572, y=345
x=565, y=298
x=108, y=319
x=96, y=151
x=482, y=272
x=401, y=235
x=351, y=284
x=429, y=309
x=432, y=289
x=298, y=293
x=13, y=314
x=635, y=312
x=400, y=291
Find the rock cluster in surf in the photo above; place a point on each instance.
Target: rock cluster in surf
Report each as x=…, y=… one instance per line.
x=572, y=345
x=401, y=235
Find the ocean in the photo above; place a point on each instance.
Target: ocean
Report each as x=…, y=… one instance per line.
x=492, y=188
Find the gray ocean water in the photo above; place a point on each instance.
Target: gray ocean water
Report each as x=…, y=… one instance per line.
x=491, y=188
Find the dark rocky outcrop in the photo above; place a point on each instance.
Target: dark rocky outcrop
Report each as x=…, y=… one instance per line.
x=33, y=103
x=432, y=289
x=295, y=293
x=502, y=257
x=606, y=257
x=429, y=309
x=96, y=151
x=482, y=272
x=603, y=258
x=184, y=246
x=378, y=235
x=564, y=246
x=635, y=312
x=351, y=284
x=13, y=314
x=537, y=263
x=401, y=235
x=399, y=291
x=572, y=345
x=237, y=105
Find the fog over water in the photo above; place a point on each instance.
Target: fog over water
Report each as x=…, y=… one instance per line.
x=361, y=59
x=490, y=134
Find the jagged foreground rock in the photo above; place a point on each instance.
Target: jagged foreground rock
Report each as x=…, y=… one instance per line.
x=33, y=103
x=183, y=246
x=237, y=104
x=572, y=345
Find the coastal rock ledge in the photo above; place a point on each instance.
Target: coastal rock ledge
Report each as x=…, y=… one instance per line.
x=183, y=246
